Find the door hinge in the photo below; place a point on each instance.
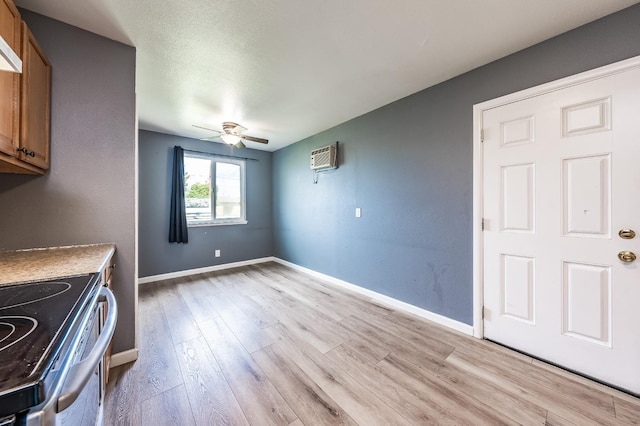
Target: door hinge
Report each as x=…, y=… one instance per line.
x=482, y=312
x=482, y=135
x=482, y=224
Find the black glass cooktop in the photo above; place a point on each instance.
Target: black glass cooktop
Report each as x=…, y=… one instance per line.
x=34, y=319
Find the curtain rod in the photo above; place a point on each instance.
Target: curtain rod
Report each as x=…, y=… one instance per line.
x=219, y=155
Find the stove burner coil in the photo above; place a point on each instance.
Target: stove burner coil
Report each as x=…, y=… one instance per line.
x=12, y=329
x=23, y=294
x=15, y=323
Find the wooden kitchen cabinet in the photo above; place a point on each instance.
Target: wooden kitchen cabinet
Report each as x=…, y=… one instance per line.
x=107, y=281
x=25, y=107
x=35, y=104
x=10, y=30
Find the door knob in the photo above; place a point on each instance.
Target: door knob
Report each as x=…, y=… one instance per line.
x=627, y=256
x=627, y=234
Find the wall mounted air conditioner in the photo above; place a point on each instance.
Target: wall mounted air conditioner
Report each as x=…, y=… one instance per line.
x=325, y=158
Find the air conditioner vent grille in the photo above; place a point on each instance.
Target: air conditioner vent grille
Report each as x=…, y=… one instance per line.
x=323, y=158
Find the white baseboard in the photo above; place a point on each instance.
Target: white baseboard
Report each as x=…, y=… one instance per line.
x=123, y=357
x=178, y=274
x=386, y=300
x=381, y=298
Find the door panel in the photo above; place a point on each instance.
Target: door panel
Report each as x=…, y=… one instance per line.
x=587, y=302
x=560, y=179
x=587, y=200
x=518, y=287
x=518, y=198
x=517, y=131
x=587, y=117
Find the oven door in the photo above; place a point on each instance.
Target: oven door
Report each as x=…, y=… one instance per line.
x=78, y=399
x=86, y=409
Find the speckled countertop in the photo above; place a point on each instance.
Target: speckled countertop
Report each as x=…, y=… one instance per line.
x=55, y=262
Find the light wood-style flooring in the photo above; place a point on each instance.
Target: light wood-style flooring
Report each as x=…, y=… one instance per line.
x=265, y=344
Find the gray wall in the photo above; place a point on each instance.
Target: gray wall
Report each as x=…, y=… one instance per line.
x=88, y=195
x=237, y=242
x=408, y=165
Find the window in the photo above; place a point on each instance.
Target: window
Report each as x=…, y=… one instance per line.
x=214, y=190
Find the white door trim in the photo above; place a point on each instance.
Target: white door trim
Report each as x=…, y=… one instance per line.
x=478, y=109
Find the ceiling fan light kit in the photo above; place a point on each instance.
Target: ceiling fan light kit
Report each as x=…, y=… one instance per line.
x=230, y=139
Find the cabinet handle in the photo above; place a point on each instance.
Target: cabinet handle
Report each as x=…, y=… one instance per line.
x=26, y=152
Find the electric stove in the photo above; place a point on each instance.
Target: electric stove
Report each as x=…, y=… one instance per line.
x=35, y=321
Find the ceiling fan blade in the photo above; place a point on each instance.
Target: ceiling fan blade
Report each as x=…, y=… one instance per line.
x=210, y=138
x=240, y=145
x=254, y=139
x=206, y=128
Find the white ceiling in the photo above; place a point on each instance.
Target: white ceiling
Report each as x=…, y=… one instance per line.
x=288, y=69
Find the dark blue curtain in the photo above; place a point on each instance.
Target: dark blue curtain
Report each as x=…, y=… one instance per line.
x=178, y=218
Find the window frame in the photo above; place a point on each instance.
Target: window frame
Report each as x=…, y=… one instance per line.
x=214, y=159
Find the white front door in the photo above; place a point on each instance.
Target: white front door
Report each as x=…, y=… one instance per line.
x=561, y=179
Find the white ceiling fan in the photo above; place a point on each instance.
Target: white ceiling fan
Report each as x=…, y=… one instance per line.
x=232, y=134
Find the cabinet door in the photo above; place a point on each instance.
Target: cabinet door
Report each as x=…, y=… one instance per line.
x=36, y=101
x=107, y=281
x=9, y=82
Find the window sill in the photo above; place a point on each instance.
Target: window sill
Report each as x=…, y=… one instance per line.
x=199, y=225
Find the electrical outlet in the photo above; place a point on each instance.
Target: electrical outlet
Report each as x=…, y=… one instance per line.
x=217, y=253
x=358, y=212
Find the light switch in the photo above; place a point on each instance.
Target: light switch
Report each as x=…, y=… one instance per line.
x=358, y=212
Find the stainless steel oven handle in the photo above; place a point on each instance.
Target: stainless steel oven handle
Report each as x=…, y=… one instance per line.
x=81, y=372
